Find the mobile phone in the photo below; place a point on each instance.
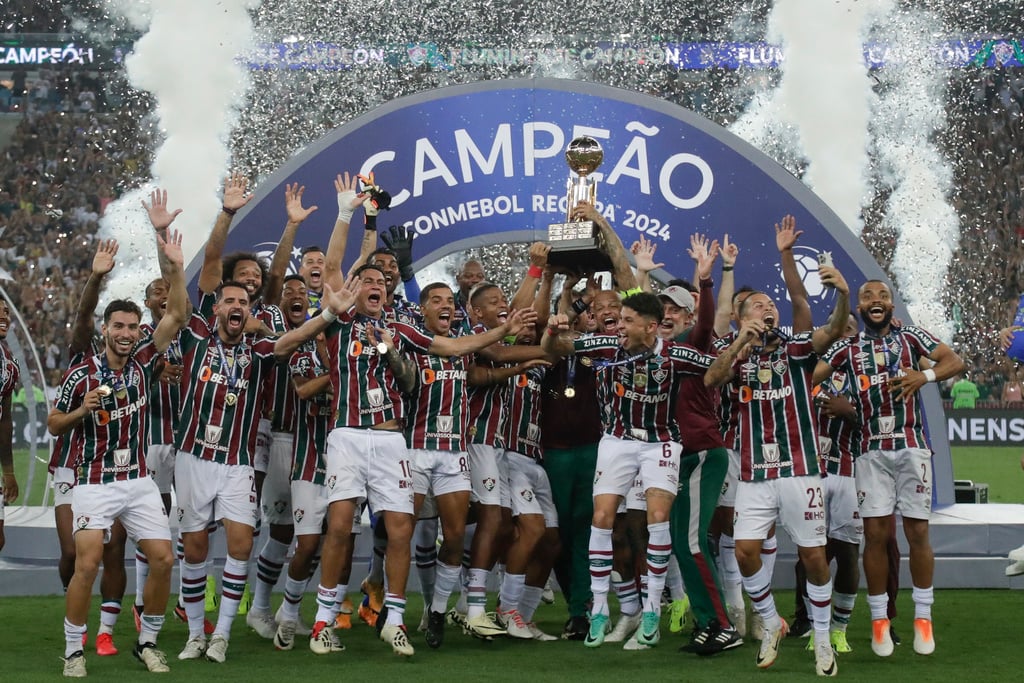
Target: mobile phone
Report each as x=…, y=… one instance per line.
x=825, y=259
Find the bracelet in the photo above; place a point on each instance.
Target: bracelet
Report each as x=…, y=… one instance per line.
x=929, y=375
x=535, y=272
x=230, y=212
x=726, y=269
x=630, y=292
x=579, y=306
x=329, y=316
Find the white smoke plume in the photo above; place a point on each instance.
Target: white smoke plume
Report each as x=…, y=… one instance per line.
x=910, y=114
x=825, y=92
x=188, y=59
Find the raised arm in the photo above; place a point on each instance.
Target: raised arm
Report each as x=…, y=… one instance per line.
x=348, y=202
x=172, y=264
x=726, y=288
x=471, y=343
x=102, y=263
x=235, y=198
x=527, y=292
x=398, y=239
x=283, y=254
x=785, y=237
x=621, y=271
x=556, y=341
x=643, y=253
x=825, y=336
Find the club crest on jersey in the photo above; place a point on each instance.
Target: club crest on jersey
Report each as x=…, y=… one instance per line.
x=444, y=424
x=331, y=481
x=526, y=495
x=770, y=452
x=489, y=483
x=533, y=433
x=886, y=425
x=824, y=445
x=299, y=514
x=597, y=475
x=63, y=488
x=659, y=375
x=181, y=514
x=82, y=521
x=780, y=366
x=375, y=397
x=243, y=360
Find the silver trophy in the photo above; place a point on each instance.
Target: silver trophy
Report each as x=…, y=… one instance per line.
x=579, y=245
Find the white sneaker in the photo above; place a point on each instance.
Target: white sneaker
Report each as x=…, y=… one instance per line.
x=633, y=644
x=395, y=635
x=769, y=651
x=538, y=634
x=263, y=622
x=195, y=648
x=74, y=666
x=515, y=626
x=154, y=659
x=624, y=628
x=482, y=626
x=217, y=650
x=1015, y=569
x=284, y=637
x=323, y=640
x=738, y=617
x=1017, y=554
x=302, y=628
x=825, y=658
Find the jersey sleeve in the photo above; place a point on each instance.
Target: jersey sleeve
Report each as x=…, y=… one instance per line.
x=206, y=302
x=72, y=389
x=411, y=337
x=689, y=360
x=601, y=345
x=838, y=353
x=195, y=331
x=921, y=341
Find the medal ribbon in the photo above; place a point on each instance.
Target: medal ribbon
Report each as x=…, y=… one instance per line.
x=233, y=377
x=117, y=382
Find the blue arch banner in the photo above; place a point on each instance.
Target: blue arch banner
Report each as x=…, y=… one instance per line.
x=483, y=163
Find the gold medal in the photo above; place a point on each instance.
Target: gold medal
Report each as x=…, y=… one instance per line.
x=121, y=392
x=103, y=390
x=231, y=398
x=570, y=392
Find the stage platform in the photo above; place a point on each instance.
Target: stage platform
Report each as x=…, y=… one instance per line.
x=970, y=543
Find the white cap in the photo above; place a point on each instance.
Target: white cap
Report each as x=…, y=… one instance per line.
x=680, y=296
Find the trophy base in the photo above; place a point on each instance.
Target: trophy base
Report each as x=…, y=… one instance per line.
x=578, y=256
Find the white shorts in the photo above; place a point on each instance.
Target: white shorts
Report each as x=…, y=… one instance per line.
x=261, y=456
x=844, y=522
x=728, y=497
x=209, y=492
x=371, y=465
x=902, y=479
x=63, y=485
x=798, y=503
x=276, y=499
x=488, y=471
x=136, y=502
x=160, y=463
x=439, y=471
x=530, y=489
x=309, y=507
x=619, y=461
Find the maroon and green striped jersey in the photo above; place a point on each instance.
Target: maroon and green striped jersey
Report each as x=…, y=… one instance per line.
x=728, y=419
x=313, y=418
x=404, y=311
x=638, y=392
x=871, y=361
x=213, y=425
x=164, y=398
x=438, y=408
x=66, y=448
x=365, y=391
x=112, y=440
x=838, y=439
x=778, y=434
x=487, y=405
x=522, y=421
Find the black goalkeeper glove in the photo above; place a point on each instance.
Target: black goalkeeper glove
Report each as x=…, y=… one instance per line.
x=399, y=240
